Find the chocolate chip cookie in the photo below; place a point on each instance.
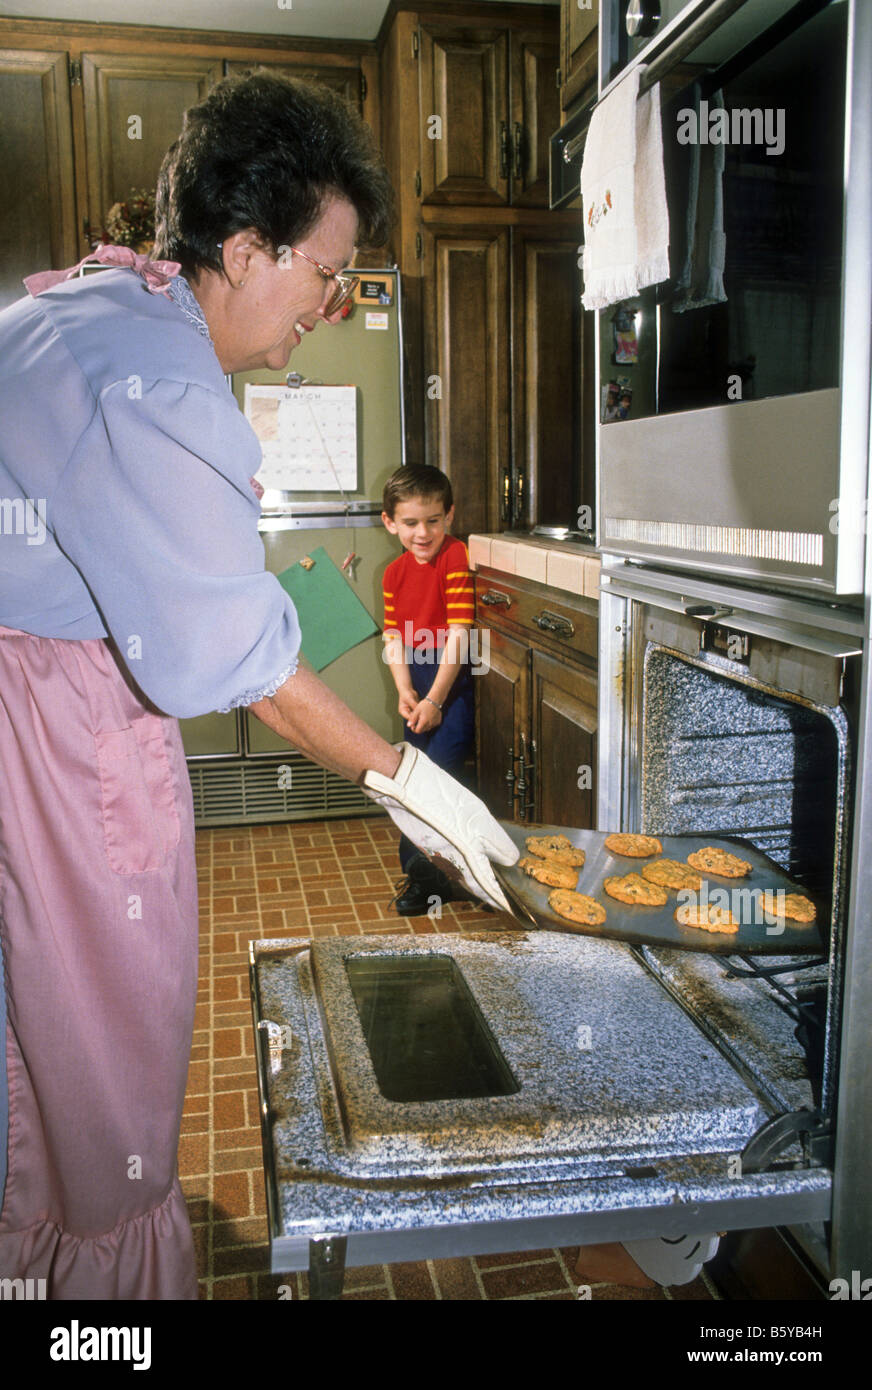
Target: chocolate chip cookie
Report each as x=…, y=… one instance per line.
x=550, y=871
x=706, y=917
x=633, y=846
x=577, y=907
x=718, y=861
x=632, y=888
x=670, y=873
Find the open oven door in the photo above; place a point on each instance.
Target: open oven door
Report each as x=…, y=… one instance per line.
x=610, y=1095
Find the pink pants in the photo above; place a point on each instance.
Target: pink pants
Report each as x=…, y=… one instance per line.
x=98, y=926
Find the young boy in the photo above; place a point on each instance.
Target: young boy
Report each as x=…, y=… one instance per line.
x=428, y=598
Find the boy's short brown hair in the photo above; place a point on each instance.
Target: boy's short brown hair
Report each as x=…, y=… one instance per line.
x=417, y=480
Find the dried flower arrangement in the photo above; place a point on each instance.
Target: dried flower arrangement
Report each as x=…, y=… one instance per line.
x=131, y=223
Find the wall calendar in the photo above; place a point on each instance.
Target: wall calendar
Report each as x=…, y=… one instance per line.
x=308, y=436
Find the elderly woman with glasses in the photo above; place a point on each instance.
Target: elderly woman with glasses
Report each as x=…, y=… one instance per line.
x=134, y=593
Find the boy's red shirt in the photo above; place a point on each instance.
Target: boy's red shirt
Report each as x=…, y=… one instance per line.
x=422, y=600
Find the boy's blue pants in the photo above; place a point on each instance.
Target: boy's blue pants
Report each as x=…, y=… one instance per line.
x=450, y=744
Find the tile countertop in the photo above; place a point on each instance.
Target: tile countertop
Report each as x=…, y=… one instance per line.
x=558, y=564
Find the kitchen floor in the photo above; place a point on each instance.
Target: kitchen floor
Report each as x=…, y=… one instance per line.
x=318, y=878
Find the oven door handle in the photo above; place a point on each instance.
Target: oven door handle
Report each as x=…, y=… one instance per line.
x=709, y=612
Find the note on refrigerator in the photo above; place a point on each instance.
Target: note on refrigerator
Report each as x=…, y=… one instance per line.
x=308, y=436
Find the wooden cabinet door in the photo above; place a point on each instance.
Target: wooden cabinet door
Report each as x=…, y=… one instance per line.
x=579, y=20
x=134, y=106
x=564, y=714
x=502, y=711
x=465, y=367
x=37, y=184
x=535, y=115
x=464, y=133
x=345, y=80
x=546, y=380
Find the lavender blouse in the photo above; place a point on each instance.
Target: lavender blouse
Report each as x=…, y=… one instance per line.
x=126, y=506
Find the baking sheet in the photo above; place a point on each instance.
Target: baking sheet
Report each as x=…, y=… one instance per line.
x=656, y=926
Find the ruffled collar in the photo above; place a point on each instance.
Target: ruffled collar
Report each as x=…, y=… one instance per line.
x=158, y=275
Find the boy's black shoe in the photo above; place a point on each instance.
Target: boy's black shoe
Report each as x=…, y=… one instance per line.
x=423, y=883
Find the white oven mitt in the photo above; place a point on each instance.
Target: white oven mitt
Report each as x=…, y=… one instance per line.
x=441, y=817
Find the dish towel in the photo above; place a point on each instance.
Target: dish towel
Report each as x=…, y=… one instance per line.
x=623, y=191
x=701, y=278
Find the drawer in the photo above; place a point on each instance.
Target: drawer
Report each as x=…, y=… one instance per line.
x=540, y=614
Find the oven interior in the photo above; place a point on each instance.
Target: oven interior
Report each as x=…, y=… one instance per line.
x=751, y=738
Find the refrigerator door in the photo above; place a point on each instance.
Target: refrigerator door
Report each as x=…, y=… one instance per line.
x=360, y=677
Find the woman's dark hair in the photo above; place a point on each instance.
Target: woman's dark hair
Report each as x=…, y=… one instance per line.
x=417, y=480
x=264, y=151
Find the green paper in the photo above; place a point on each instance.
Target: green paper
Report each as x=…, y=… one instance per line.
x=332, y=617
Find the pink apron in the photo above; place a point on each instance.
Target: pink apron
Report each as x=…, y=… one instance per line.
x=98, y=925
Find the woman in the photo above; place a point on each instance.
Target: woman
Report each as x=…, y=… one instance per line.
x=133, y=593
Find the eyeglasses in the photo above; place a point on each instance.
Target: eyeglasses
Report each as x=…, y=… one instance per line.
x=345, y=284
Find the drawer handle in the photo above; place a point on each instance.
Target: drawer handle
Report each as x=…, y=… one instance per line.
x=553, y=622
x=493, y=598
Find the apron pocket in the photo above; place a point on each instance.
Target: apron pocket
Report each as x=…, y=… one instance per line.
x=140, y=821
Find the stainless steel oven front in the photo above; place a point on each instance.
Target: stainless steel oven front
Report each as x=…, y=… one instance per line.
x=734, y=396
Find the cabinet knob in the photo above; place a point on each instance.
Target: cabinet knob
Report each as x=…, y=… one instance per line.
x=493, y=597
x=504, y=149
x=519, y=151
x=554, y=622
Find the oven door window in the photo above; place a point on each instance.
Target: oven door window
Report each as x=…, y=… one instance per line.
x=753, y=155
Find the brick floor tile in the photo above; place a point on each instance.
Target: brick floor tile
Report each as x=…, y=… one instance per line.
x=228, y=1110
x=412, y=1281
x=233, y=1290
x=456, y=1280
x=230, y=1195
x=545, y=1277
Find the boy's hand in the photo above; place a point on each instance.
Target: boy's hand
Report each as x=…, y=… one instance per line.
x=408, y=704
x=425, y=717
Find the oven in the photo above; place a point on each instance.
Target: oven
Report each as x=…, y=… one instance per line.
x=744, y=713
x=734, y=395
x=734, y=657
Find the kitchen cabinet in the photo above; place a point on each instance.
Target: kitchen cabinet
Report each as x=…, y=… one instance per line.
x=89, y=111
x=502, y=362
x=563, y=723
x=134, y=106
x=348, y=82
x=37, y=181
x=551, y=462
x=579, y=21
x=502, y=713
x=488, y=104
x=467, y=363
x=536, y=701
x=491, y=281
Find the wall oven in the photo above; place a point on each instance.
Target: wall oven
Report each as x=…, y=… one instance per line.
x=734, y=395
x=734, y=662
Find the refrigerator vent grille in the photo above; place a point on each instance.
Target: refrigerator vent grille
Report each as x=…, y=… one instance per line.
x=795, y=547
x=256, y=791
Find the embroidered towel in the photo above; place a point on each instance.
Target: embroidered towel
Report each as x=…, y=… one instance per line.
x=623, y=191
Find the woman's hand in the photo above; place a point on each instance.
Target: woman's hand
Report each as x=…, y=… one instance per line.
x=425, y=717
x=442, y=818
